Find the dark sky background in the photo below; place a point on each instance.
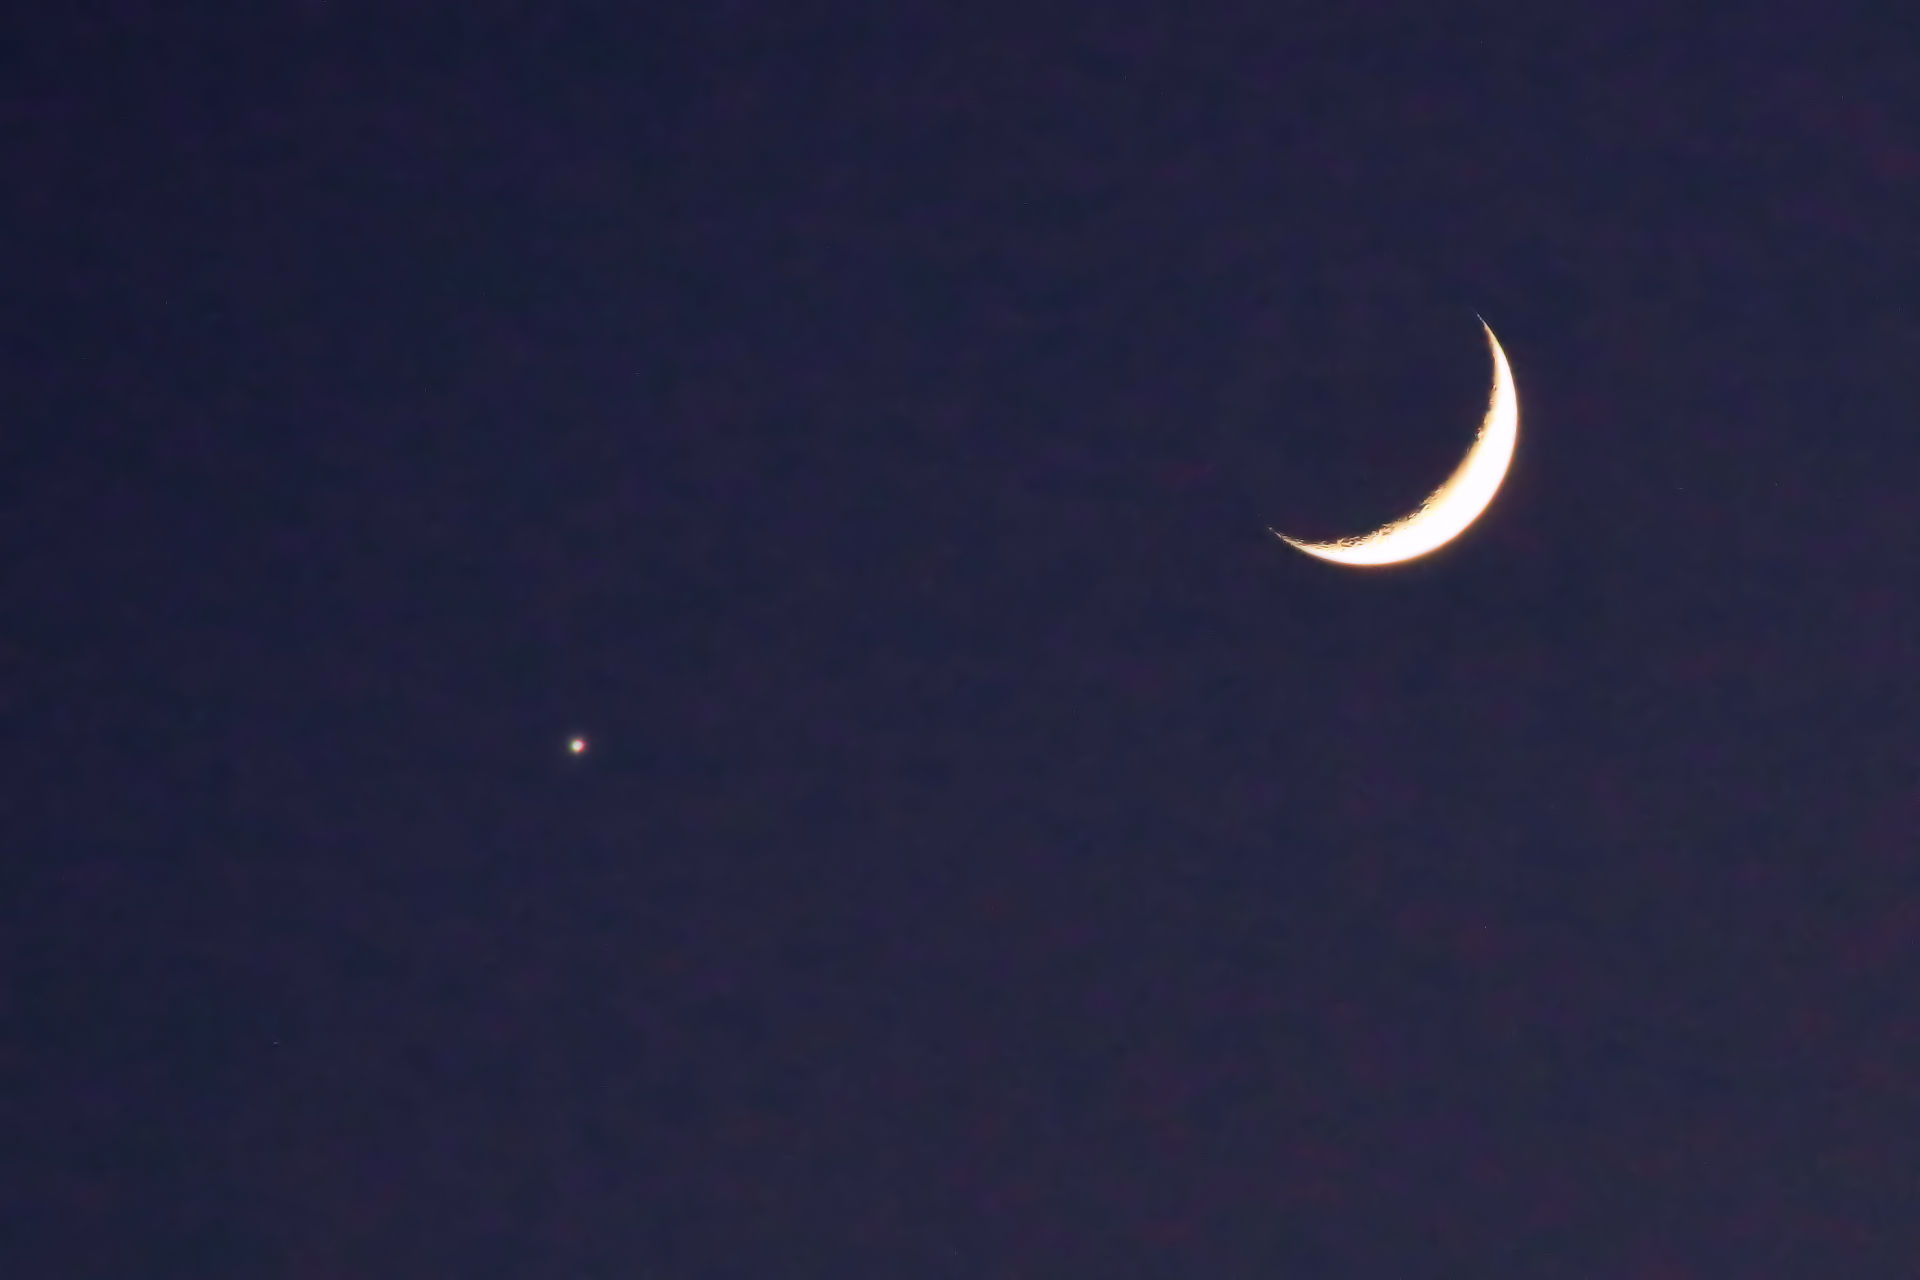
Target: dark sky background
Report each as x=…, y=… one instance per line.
x=998, y=855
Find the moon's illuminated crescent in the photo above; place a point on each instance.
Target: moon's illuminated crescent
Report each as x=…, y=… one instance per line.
x=1456, y=504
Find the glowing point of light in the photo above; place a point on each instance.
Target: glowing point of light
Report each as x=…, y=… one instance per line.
x=576, y=746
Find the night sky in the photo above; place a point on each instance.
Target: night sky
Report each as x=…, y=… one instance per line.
x=996, y=855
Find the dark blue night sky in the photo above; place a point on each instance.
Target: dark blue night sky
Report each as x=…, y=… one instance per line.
x=997, y=856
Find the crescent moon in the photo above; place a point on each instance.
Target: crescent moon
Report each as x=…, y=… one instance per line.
x=1456, y=504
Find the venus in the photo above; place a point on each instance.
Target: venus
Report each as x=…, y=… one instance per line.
x=1456, y=504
